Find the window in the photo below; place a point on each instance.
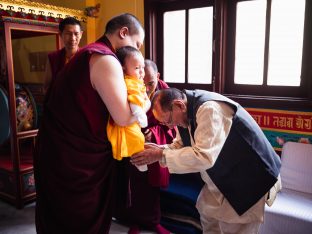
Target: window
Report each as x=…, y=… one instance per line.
x=174, y=46
x=200, y=45
x=185, y=37
x=253, y=49
x=250, y=40
x=286, y=41
x=265, y=46
x=188, y=30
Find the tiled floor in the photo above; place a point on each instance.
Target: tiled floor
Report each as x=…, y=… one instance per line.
x=14, y=221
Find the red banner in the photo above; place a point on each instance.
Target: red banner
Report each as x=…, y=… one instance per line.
x=283, y=121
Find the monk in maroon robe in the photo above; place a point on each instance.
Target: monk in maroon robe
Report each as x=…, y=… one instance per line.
x=144, y=210
x=70, y=32
x=75, y=172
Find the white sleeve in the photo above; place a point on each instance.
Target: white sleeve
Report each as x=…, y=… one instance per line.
x=214, y=121
x=135, y=109
x=140, y=115
x=147, y=105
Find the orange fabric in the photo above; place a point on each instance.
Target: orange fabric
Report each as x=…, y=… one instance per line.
x=136, y=89
x=128, y=140
x=125, y=140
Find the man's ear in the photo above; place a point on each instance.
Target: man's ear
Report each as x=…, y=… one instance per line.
x=123, y=32
x=158, y=75
x=180, y=103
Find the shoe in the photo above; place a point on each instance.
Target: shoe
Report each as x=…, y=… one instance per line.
x=134, y=230
x=160, y=229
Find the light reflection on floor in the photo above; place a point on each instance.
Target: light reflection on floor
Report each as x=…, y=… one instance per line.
x=15, y=221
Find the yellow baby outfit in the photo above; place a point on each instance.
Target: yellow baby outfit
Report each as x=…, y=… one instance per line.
x=128, y=140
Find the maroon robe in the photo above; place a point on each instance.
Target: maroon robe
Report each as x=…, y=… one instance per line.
x=161, y=134
x=145, y=186
x=57, y=61
x=75, y=172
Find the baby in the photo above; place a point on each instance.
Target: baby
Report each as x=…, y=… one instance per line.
x=128, y=140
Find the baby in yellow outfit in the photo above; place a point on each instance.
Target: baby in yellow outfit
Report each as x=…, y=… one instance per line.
x=128, y=140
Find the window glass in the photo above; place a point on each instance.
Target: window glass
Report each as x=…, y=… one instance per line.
x=250, y=41
x=174, y=46
x=286, y=41
x=262, y=46
x=200, y=45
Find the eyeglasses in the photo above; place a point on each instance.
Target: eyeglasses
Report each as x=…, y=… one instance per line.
x=170, y=121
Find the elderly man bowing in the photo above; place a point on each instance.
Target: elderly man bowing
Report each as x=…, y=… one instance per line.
x=219, y=139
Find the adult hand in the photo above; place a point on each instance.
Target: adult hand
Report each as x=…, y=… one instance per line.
x=148, y=156
x=148, y=145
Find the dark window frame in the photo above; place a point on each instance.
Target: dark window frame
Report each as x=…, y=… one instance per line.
x=222, y=75
x=154, y=34
x=265, y=90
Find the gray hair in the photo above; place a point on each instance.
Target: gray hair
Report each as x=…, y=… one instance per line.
x=150, y=63
x=165, y=98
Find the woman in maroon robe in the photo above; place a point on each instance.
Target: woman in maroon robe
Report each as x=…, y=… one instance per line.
x=144, y=211
x=74, y=169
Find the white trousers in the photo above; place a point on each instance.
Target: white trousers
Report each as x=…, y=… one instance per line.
x=218, y=216
x=213, y=226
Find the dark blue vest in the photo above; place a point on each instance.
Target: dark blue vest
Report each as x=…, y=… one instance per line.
x=247, y=166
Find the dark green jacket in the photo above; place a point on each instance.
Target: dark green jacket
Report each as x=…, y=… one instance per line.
x=247, y=166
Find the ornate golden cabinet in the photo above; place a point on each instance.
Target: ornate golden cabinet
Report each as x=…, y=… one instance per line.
x=27, y=35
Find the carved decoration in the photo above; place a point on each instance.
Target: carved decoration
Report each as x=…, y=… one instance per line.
x=92, y=11
x=24, y=8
